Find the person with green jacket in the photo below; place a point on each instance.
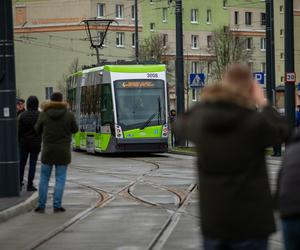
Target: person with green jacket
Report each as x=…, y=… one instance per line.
x=56, y=125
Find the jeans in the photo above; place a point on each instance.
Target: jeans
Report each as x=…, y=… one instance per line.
x=60, y=180
x=235, y=245
x=291, y=233
x=33, y=157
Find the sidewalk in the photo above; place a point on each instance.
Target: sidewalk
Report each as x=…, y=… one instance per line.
x=13, y=206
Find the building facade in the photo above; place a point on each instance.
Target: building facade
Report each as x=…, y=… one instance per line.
x=244, y=18
x=50, y=37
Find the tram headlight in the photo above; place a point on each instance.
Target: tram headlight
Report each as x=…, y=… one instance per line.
x=165, y=131
x=119, y=132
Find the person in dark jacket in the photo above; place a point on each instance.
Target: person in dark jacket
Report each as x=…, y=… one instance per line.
x=289, y=194
x=56, y=125
x=29, y=141
x=231, y=127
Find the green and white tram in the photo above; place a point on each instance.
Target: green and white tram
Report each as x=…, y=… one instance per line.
x=120, y=108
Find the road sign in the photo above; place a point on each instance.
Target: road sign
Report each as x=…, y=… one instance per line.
x=197, y=80
x=290, y=77
x=260, y=77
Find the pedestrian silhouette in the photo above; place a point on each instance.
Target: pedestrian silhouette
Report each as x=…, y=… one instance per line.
x=231, y=127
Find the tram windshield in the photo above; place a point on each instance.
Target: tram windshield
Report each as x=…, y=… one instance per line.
x=140, y=103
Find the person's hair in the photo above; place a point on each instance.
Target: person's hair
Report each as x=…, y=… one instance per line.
x=32, y=103
x=20, y=100
x=56, y=97
x=239, y=76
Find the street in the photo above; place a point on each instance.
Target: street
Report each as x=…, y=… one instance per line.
x=117, y=202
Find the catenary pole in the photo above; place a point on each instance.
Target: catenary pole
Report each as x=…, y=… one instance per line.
x=270, y=58
x=136, y=36
x=289, y=61
x=9, y=164
x=179, y=64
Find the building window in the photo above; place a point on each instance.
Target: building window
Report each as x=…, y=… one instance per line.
x=120, y=40
x=152, y=26
x=165, y=14
x=208, y=16
x=119, y=11
x=282, y=79
x=101, y=37
x=249, y=43
x=195, y=67
x=165, y=40
x=209, y=42
x=225, y=2
x=248, y=18
x=133, y=39
x=151, y=1
x=236, y=17
x=194, y=94
x=132, y=12
x=195, y=42
x=263, y=43
x=170, y=1
x=194, y=15
x=281, y=32
x=100, y=9
x=209, y=68
x=263, y=67
x=48, y=92
x=263, y=19
x=281, y=9
x=281, y=55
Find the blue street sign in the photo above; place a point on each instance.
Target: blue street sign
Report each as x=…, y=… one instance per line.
x=298, y=86
x=197, y=80
x=259, y=76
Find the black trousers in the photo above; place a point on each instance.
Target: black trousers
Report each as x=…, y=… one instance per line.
x=33, y=157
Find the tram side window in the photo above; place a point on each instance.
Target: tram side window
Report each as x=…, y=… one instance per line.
x=107, y=115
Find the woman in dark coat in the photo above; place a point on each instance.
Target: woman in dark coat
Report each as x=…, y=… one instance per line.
x=29, y=140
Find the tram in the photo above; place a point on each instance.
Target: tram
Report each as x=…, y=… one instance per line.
x=120, y=108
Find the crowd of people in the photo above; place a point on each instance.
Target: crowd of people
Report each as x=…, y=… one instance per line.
x=231, y=126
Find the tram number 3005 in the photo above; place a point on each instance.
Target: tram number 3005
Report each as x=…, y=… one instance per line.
x=152, y=75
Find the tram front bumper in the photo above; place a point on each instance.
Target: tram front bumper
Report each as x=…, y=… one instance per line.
x=142, y=145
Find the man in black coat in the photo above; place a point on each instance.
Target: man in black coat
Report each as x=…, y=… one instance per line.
x=231, y=127
x=29, y=140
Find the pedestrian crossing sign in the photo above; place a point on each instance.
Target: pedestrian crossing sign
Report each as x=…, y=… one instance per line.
x=197, y=80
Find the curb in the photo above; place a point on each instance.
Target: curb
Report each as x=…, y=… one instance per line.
x=20, y=208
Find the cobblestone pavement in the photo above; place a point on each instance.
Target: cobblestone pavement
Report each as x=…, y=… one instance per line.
x=117, y=202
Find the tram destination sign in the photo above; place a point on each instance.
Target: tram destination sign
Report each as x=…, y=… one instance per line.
x=136, y=84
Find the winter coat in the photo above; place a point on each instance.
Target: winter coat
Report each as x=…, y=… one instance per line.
x=289, y=180
x=231, y=137
x=29, y=139
x=56, y=125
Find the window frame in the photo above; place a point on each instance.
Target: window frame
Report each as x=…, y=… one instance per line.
x=197, y=41
x=120, y=36
x=119, y=11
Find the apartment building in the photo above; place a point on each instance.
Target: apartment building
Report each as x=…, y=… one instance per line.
x=50, y=35
x=244, y=18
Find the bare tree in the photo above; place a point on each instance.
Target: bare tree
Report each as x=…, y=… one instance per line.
x=152, y=48
x=228, y=49
x=61, y=85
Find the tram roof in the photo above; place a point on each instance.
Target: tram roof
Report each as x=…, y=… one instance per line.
x=135, y=68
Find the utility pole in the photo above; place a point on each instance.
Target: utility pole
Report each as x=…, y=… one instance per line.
x=9, y=164
x=179, y=64
x=136, y=36
x=289, y=62
x=270, y=52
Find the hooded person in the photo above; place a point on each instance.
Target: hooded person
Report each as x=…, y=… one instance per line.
x=231, y=127
x=29, y=141
x=56, y=124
